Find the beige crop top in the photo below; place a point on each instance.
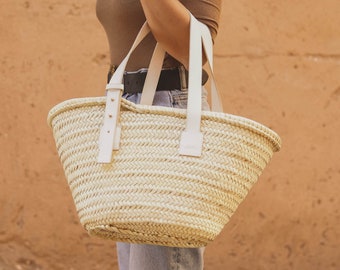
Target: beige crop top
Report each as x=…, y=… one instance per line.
x=122, y=20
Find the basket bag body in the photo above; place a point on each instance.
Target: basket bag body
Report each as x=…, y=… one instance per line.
x=157, y=175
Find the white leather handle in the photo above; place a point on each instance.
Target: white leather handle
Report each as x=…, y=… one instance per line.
x=117, y=77
x=152, y=77
x=216, y=102
x=110, y=132
x=157, y=60
x=191, y=139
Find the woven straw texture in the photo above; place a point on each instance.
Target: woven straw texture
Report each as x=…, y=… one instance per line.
x=149, y=193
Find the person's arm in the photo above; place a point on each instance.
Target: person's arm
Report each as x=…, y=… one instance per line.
x=169, y=21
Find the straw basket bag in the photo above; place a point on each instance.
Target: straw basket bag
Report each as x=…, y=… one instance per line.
x=158, y=175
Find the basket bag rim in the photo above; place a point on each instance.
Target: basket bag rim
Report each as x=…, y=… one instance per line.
x=126, y=105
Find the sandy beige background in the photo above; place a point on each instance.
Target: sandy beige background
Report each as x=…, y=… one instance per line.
x=277, y=62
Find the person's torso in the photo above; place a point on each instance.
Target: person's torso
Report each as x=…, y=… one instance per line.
x=122, y=20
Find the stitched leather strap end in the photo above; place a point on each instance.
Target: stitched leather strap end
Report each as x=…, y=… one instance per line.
x=191, y=144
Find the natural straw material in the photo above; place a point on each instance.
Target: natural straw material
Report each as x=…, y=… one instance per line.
x=149, y=193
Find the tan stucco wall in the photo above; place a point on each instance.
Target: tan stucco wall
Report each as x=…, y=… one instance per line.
x=277, y=63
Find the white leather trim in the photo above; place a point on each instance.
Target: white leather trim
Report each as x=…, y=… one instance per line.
x=110, y=132
x=191, y=139
x=208, y=49
x=191, y=144
x=117, y=76
x=194, y=107
x=152, y=76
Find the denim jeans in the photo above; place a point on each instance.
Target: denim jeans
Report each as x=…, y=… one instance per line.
x=152, y=257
